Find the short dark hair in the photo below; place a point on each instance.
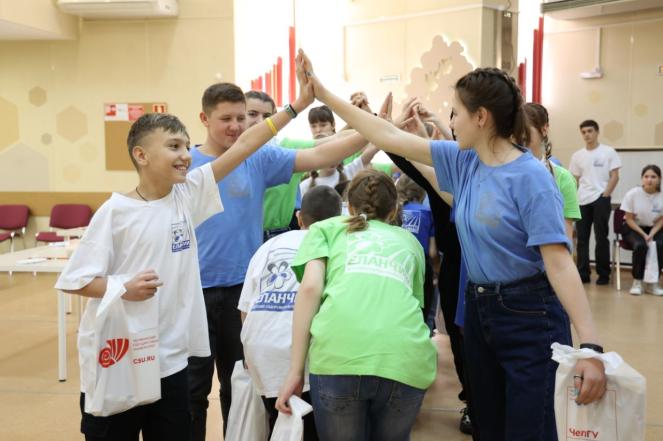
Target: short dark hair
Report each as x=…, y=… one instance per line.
x=589, y=123
x=321, y=114
x=221, y=93
x=320, y=203
x=148, y=124
x=262, y=96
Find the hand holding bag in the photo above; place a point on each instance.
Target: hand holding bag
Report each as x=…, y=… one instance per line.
x=618, y=416
x=125, y=372
x=291, y=427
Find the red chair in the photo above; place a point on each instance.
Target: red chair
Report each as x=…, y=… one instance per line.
x=618, y=243
x=14, y=220
x=65, y=217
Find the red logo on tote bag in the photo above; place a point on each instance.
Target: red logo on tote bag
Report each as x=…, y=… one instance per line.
x=114, y=352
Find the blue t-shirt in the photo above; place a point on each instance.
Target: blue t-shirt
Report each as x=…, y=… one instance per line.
x=503, y=213
x=228, y=240
x=418, y=220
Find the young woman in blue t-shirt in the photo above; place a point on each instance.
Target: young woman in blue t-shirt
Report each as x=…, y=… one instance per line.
x=513, y=313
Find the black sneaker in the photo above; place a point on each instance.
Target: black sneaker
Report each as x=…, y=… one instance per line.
x=603, y=281
x=584, y=279
x=465, y=423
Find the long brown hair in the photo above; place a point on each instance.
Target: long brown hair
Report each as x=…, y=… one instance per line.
x=372, y=194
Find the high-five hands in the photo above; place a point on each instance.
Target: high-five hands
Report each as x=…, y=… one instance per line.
x=307, y=70
x=359, y=99
x=306, y=94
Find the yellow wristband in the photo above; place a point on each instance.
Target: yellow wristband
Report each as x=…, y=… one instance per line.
x=271, y=125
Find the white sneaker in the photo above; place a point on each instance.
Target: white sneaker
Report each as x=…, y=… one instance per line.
x=654, y=288
x=636, y=289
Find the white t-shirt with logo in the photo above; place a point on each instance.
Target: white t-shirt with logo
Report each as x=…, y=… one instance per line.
x=268, y=299
x=646, y=207
x=127, y=236
x=593, y=167
x=332, y=180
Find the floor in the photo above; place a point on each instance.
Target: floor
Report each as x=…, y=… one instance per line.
x=35, y=405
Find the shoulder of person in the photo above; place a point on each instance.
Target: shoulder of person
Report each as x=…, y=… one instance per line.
x=633, y=192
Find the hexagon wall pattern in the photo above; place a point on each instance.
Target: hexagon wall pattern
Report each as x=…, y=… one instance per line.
x=37, y=96
x=71, y=124
x=613, y=130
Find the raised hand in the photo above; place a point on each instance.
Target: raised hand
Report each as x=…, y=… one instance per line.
x=306, y=95
x=143, y=286
x=359, y=99
x=425, y=114
x=414, y=124
x=386, y=108
x=406, y=110
x=307, y=68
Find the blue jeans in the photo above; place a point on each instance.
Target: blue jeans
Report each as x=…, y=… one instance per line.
x=362, y=408
x=508, y=332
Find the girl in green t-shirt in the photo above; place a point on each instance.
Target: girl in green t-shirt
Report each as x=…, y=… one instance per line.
x=358, y=318
x=541, y=147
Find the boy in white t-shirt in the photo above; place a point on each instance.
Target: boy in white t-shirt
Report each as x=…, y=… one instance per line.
x=268, y=299
x=596, y=168
x=143, y=243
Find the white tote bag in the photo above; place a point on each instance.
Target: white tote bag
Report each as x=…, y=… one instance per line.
x=125, y=372
x=247, y=419
x=618, y=416
x=651, y=264
x=291, y=427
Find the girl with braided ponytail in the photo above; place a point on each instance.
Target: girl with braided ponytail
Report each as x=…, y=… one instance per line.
x=358, y=318
x=541, y=147
x=522, y=279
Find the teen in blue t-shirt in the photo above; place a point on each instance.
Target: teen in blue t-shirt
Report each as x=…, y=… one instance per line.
x=226, y=242
x=502, y=194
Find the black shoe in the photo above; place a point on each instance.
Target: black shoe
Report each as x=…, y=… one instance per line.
x=603, y=280
x=584, y=279
x=465, y=423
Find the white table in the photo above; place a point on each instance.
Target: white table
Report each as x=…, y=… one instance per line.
x=8, y=262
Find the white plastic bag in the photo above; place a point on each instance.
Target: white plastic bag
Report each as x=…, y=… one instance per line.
x=651, y=264
x=618, y=416
x=125, y=372
x=247, y=419
x=291, y=427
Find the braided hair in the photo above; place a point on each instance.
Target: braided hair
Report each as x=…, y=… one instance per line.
x=496, y=91
x=372, y=194
x=537, y=118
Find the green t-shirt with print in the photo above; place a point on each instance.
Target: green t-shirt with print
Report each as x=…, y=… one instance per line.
x=567, y=187
x=370, y=320
x=279, y=201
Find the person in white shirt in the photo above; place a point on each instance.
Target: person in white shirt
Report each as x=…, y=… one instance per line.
x=643, y=207
x=141, y=245
x=268, y=299
x=596, y=168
